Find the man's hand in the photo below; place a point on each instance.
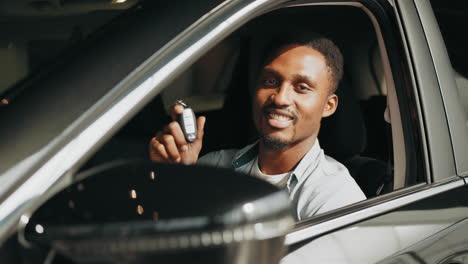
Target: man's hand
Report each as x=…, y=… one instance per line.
x=169, y=145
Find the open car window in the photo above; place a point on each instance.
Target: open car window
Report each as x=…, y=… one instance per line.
x=371, y=133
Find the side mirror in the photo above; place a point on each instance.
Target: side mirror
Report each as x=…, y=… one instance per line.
x=140, y=212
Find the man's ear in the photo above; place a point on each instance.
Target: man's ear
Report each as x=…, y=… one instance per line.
x=330, y=105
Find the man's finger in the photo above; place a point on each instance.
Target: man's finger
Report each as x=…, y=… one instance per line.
x=158, y=151
x=201, y=126
x=177, y=109
x=171, y=148
x=176, y=131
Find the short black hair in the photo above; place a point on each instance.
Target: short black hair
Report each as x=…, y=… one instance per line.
x=332, y=54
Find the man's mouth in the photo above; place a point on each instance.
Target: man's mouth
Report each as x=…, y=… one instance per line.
x=279, y=118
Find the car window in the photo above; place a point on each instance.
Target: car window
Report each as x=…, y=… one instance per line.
x=371, y=133
x=361, y=135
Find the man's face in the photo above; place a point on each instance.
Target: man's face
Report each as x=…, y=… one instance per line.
x=293, y=94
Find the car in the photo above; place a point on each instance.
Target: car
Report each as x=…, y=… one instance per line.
x=86, y=85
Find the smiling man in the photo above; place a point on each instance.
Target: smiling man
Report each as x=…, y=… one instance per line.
x=294, y=91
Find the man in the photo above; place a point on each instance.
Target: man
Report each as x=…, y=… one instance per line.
x=295, y=89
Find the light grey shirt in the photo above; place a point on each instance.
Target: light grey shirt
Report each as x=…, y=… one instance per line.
x=316, y=185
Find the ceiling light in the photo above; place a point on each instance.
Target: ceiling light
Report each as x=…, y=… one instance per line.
x=39, y=229
x=133, y=194
x=140, y=210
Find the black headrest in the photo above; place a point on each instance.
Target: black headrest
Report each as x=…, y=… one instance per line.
x=343, y=134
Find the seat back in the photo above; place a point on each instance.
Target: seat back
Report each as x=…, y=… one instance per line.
x=343, y=136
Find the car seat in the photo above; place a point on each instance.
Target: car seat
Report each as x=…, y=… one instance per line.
x=343, y=136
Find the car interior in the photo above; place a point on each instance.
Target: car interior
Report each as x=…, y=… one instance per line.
x=220, y=83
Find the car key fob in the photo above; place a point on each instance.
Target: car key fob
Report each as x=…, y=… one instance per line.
x=187, y=122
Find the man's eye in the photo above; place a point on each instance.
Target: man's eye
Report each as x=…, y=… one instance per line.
x=270, y=82
x=303, y=87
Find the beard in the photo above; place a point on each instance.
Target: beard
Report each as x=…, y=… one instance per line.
x=274, y=143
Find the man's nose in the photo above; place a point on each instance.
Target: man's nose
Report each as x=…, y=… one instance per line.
x=282, y=96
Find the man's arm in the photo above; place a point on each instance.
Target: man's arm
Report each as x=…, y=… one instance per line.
x=334, y=192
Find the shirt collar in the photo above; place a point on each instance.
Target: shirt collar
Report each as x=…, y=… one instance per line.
x=245, y=155
x=249, y=152
x=309, y=159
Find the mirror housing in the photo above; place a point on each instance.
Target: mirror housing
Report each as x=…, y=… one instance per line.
x=140, y=212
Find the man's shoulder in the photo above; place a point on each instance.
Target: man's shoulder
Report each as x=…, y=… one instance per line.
x=225, y=157
x=335, y=175
x=330, y=187
x=220, y=158
x=331, y=166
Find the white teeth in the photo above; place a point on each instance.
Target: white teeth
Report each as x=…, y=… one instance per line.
x=280, y=117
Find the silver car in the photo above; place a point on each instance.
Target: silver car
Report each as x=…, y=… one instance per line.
x=86, y=84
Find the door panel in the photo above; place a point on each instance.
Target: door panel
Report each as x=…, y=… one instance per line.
x=377, y=238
